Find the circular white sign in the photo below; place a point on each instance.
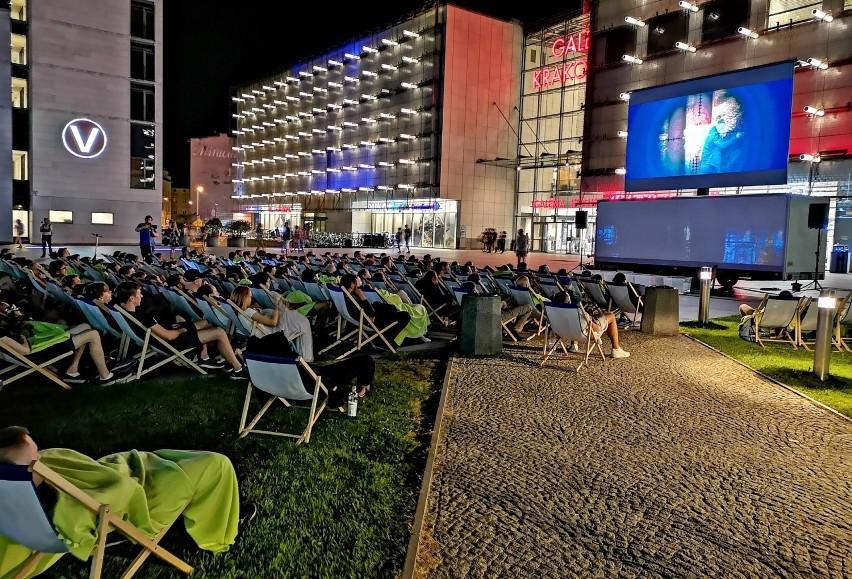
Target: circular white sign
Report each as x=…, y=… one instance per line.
x=84, y=138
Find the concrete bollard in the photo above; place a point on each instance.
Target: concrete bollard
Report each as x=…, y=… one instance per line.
x=480, y=331
x=661, y=316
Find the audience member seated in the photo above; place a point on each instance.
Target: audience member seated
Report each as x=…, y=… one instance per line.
x=429, y=285
x=182, y=336
x=602, y=322
x=381, y=313
x=243, y=298
x=202, y=486
x=520, y=313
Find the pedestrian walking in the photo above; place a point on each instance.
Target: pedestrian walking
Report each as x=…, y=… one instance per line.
x=46, y=230
x=397, y=239
x=406, y=234
x=147, y=236
x=19, y=232
x=171, y=238
x=285, y=237
x=522, y=244
x=297, y=239
x=501, y=242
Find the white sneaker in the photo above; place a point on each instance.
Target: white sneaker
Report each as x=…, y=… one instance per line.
x=574, y=348
x=620, y=353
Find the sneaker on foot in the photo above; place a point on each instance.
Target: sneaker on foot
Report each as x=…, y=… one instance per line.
x=210, y=364
x=241, y=374
x=574, y=348
x=73, y=378
x=114, y=378
x=620, y=353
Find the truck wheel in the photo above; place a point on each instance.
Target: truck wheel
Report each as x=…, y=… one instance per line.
x=728, y=280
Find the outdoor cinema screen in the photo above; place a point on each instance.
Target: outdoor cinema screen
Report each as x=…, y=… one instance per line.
x=725, y=130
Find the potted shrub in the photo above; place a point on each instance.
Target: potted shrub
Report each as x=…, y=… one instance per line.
x=213, y=228
x=239, y=229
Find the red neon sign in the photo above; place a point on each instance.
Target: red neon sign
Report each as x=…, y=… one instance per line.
x=560, y=74
x=548, y=204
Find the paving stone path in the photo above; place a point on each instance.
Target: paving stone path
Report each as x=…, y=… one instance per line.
x=675, y=462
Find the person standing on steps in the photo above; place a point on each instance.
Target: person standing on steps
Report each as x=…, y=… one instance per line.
x=501, y=242
x=147, y=236
x=19, y=233
x=46, y=230
x=406, y=234
x=522, y=245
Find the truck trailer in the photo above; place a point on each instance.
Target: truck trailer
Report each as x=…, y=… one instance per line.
x=773, y=236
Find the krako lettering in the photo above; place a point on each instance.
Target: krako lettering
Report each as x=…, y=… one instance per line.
x=545, y=77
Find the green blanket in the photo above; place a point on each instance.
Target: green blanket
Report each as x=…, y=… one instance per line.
x=419, y=323
x=150, y=490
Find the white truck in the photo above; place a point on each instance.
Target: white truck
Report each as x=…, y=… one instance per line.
x=774, y=236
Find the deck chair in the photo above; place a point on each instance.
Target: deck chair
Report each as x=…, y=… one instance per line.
x=806, y=323
x=152, y=345
x=245, y=326
x=776, y=314
x=279, y=377
x=315, y=290
x=26, y=522
x=502, y=284
x=595, y=291
x=363, y=325
x=263, y=298
x=621, y=298
x=566, y=321
x=407, y=285
x=549, y=287
x=842, y=321
x=459, y=295
x=39, y=289
x=522, y=296
x=214, y=315
x=25, y=367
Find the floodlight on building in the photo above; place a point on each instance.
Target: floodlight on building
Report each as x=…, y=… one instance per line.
x=806, y=158
x=351, y=79
x=822, y=15
x=621, y=171
x=385, y=164
x=369, y=49
x=816, y=63
x=332, y=170
x=350, y=102
x=305, y=74
x=406, y=162
x=350, y=56
x=258, y=92
x=305, y=94
x=405, y=111
x=292, y=79
x=368, y=97
x=318, y=131
x=407, y=137
x=280, y=83
x=279, y=103
x=369, y=73
x=350, y=124
x=410, y=34
x=366, y=166
x=747, y=33
x=238, y=99
x=389, y=67
x=349, y=168
x=408, y=85
x=304, y=154
x=385, y=140
x=685, y=47
x=813, y=111
x=335, y=84
x=689, y=6
x=321, y=90
x=320, y=68
x=332, y=62
x=291, y=98
x=389, y=42
x=631, y=59
x=625, y=96
x=386, y=116
x=304, y=134
x=634, y=21
x=257, y=110
x=410, y=60
x=268, y=88
x=335, y=107
x=317, y=172
x=246, y=95
x=622, y=134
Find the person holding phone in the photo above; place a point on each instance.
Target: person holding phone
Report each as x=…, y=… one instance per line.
x=147, y=236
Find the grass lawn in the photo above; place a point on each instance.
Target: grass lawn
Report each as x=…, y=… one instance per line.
x=338, y=507
x=779, y=361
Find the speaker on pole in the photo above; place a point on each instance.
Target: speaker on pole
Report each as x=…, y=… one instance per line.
x=818, y=216
x=581, y=219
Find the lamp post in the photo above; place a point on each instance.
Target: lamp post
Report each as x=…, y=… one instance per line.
x=199, y=189
x=705, y=278
x=825, y=327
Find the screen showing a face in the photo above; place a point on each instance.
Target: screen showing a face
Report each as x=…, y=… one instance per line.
x=726, y=130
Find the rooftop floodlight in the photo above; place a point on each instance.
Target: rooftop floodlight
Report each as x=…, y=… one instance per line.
x=631, y=59
x=258, y=92
x=408, y=111
x=822, y=15
x=351, y=56
x=625, y=96
x=333, y=84
x=408, y=85
x=621, y=171
x=622, y=134
x=817, y=63
x=747, y=33
x=268, y=88
x=320, y=68
x=634, y=21
x=410, y=60
x=410, y=34
x=814, y=111
x=369, y=73
x=350, y=79
x=369, y=49
x=389, y=42
x=688, y=6
x=333, y=62
x=305, y=73
x=388, y=67
x=304, y=94
x=685, y=47
x=292, y=79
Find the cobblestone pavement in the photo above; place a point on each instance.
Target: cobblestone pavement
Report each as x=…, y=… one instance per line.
x=675, y=462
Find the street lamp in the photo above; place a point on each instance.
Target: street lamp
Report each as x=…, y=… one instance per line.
x=199, y=189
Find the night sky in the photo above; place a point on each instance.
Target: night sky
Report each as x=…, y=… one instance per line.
x=212, y=45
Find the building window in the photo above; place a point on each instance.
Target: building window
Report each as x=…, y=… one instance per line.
x=142, y=20
x=665, y=30
x=102, y=218
x=614, y=44
x=19, y=49
x=19, y=93
x=142, y=156
x=18, y=9
x=782, y=12
x=20, y=171
x=723, y=17
x=142, y=103
x=142, y=62
x=61, y=216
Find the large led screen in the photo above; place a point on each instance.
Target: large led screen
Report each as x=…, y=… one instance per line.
x=726, y=130
x=740, y=230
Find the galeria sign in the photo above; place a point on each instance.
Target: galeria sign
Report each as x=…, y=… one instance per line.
x=562, y=73
x=84, y=138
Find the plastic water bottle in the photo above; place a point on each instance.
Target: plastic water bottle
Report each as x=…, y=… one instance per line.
x=352, y=404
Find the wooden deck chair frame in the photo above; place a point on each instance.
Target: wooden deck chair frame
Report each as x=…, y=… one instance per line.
x=806, y=323
x=162, y=348
x=523, y=296
x=16, y=360
x=107, y=521
x=249, y=325
x=595, y=291
x=412, y=291
x=783, y=329
x=315, y=412
x=360, y=326
x=550, y=310
x=624, y=303
x=844, y=312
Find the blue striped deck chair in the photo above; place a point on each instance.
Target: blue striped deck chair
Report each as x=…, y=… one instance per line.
x=365, y=329
x=316, y=291
x=279, y=377
x=522, y=296
x=214, y=314
x=27, y=523
x=549, y=287
x=569, y=323
x=263, y=298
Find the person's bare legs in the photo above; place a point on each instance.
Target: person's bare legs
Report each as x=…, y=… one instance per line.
x=612, y=329
x=91, y=339
x=219, y=336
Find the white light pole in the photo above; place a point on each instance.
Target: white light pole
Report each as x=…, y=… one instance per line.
x=705, y=278
x=825, y=327
x=199, y=189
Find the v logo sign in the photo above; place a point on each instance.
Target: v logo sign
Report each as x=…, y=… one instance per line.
x=90, y=141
